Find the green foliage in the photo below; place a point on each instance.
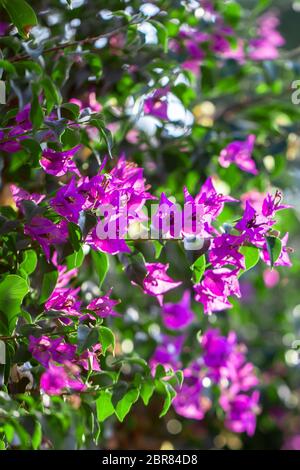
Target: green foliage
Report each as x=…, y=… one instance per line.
x=21, y=14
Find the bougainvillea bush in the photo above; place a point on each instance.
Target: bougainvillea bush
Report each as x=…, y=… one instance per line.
x=148, y=282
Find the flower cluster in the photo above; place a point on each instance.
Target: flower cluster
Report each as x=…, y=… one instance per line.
x=62, y=364
x=219, y=38
x=223, y=364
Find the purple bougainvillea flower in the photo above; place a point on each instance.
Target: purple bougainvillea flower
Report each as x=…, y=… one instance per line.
x=179, y=315
x=3, y=28
x=103, y=306
x=59, y=378
x=251, y=228
x=239, y=373
x=224, y=251
x=68, y=201
x=64, y=300
x=167, y=220
x=59, y=163
x=217, y=348
x=222, y=46
x=206, y=206
x=255, y=223
x=241, y=411
x=156, y=104
x=41, y=348
x=157, y=282
x=265, y=46
x=213, y=291
x=91, y=102
x=20, y=195
x=46, y=233
x=45, y=349
x=108, y=245
x=92, y=189
x=189, y=401
x=240, y=153
x=167, y=353
x=88, y=359
x=271, y=204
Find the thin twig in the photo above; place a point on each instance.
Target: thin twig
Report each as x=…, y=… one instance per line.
x=80, y=42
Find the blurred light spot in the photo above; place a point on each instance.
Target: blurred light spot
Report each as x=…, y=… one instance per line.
x=282, y=119
x=86, y=249
x=296, y=6
x=212, y=318
x=291, y=357
x=293, y=146
x=221, y=186
x=284, y=392
x=204, y=113
x=127, y=346
x=296, y=311
x=206, y=382
x=234, y=442
x=46, y=400
x=132, y=313
x=288, y=339
x=154, y=330
x=148, y=9
x=174, y=426
x=167, y=445
x=75, y=22
x=224, y=382
x=106, y=14
x=126, y=369
x=100, y=43
x=110, y=361
x=269, y=162
x=219, y=441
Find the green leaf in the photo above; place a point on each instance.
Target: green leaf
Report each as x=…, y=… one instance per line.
x=37, y=436
x=70, y=111
x=101, y=264
x=160, y=372
x=274, y=248
x=147, y=390
x=8, y=67
x=251, y=256
x=86, y=338
x=162, y=34
x=13, y=289
x=198, y=269
x=70, y=138
x=106, y=134
x=75, y=260
x=52, y=94
x=232, y=12
x=21, y=14
x=170, y=395
x=36, y=112
x=104, y=405
x=29, y=262
x=261, y=5
x=75, y=235
x=124, y=405
x=49, y=280
x=106, y=338
x=34, y=149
